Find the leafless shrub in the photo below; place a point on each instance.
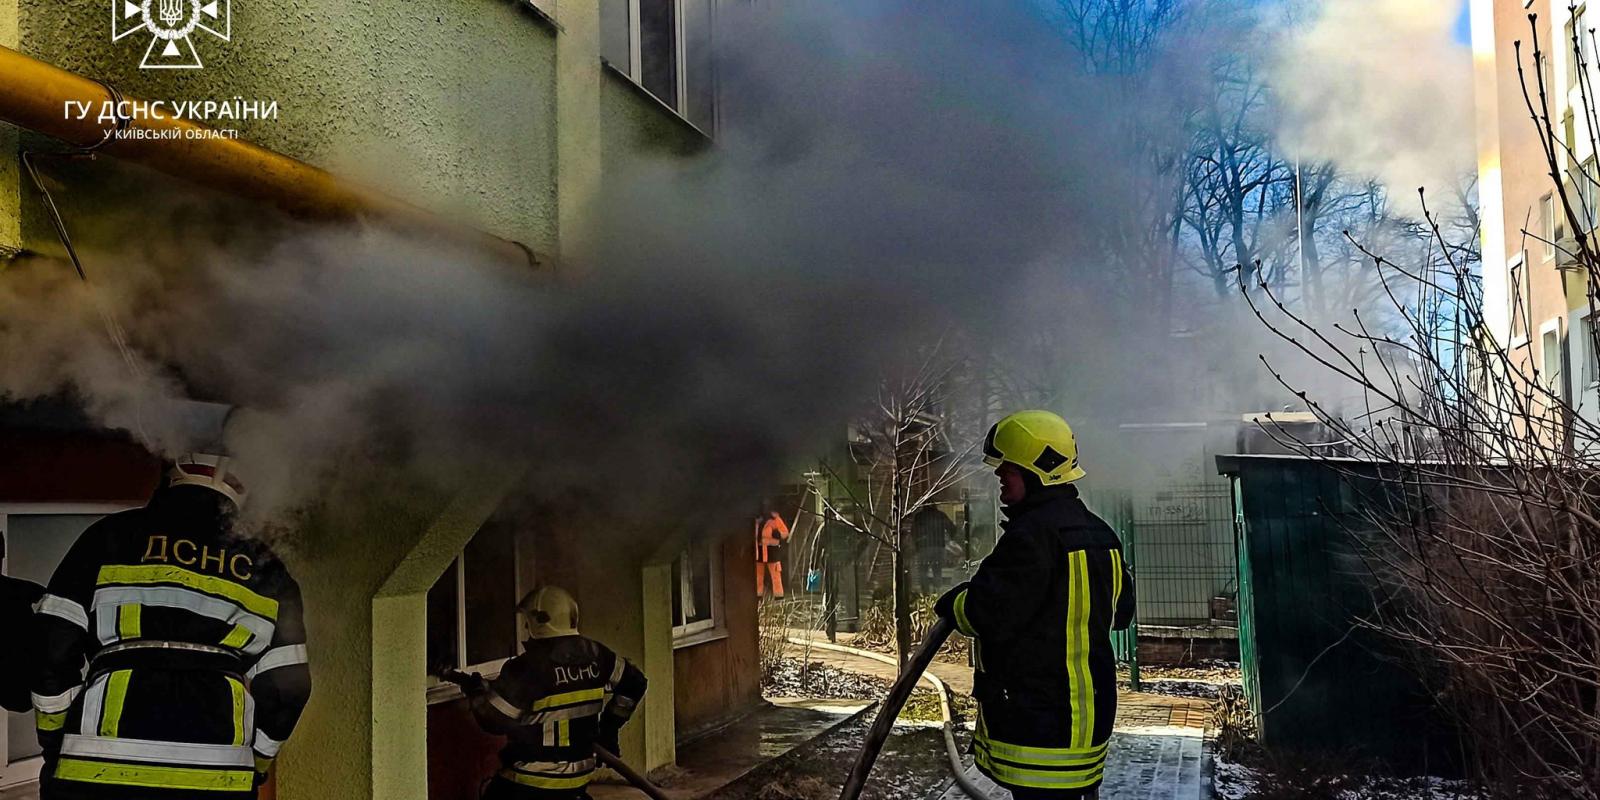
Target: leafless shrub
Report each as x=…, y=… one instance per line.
x=1479, y=482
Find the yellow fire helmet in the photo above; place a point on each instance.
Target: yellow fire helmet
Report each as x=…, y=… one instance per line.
x=550, y=612
x=1037, y=441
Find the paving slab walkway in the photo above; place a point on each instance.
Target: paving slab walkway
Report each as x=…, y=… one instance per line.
x=1140, y=766
x=1156, y=752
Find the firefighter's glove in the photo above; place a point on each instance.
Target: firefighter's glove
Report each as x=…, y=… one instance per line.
x=945, y=606
x=471, y=683
x=610, y=728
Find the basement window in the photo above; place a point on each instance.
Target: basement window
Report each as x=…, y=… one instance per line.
x=697, y=595
x=472, y=608
x=664, y=46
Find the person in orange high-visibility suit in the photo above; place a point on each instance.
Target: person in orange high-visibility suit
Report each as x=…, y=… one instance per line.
x=770, y=535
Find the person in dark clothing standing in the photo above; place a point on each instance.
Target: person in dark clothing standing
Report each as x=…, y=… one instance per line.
x=1041, y=608
x=195, y=649
x=17, y=599
x=564, y=695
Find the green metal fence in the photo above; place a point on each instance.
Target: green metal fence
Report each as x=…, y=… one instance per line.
x=1117, y=510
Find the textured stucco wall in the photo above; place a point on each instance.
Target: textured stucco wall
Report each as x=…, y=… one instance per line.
x=453, y=105
x=445, y=103
x=10, y=196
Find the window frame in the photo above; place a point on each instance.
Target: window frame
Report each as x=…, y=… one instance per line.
x=706, y=630
x=440, y=691
x=1550, y=334
x=633, y=71
x=1588, y=371
x=19, y=773
x=1548, y=229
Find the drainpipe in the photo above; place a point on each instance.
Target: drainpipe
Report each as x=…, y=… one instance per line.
x=33, y=96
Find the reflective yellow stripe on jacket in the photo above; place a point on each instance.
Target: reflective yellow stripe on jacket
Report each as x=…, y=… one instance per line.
x=155, y=777
x=1080, y=684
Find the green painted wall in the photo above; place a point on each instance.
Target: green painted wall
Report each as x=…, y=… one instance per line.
x=446, y=103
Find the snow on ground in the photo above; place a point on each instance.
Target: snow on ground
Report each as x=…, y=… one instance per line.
x=1238, y=782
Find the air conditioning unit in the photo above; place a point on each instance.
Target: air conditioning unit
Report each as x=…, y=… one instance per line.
x=1567, y=253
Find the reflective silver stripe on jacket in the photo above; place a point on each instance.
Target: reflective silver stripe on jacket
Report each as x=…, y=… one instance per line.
x=285, y=656
x=56, y=703
x=622, y=707
x=617, y=672
x=69, y=610
x=108, y=599
x=502, y=705
x=556, y=767
x=265, y=745
x=556, y=714
x=162, y=644
x=94, y=701
x=155, y=752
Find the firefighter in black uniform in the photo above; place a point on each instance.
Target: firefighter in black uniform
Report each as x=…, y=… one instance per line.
x=1042, y=607
x=191, y=630
x=555, y=702
x=17, y=598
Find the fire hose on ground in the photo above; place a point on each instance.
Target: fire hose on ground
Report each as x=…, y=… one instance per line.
x=915, y=669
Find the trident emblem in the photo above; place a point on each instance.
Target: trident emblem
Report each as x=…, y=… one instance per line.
x=172, y=12
x=171, y=25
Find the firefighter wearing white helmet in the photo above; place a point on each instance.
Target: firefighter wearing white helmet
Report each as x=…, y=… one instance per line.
x=1041, y=608
x=557, y=701
x=173, y=659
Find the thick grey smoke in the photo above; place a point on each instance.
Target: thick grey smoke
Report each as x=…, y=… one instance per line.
x=889, y=172
x=1381, y=88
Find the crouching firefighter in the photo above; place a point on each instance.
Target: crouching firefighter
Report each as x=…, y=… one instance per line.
x=1042, y=607
x=192, y=633
x=564, y=695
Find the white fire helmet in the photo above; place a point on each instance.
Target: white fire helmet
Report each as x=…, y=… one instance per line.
x=550, y=612
x=212, y=471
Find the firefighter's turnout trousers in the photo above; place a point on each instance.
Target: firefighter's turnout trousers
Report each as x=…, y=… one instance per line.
x=1042, y=607
x=195, y=650
x=553, y=703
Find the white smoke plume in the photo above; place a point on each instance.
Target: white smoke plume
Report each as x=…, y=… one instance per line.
x=1381, y=88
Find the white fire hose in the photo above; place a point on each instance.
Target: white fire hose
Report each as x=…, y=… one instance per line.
x=943, y=690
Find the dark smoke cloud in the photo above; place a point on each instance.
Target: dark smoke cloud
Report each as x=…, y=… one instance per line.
x=887, y=172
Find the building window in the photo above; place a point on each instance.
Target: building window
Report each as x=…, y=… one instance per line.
x=1550, y=356
x=665, y=47
x=697, y=593
x=1588, y=369
x=1548, y=229
x=1584, y=51
x=472, y=608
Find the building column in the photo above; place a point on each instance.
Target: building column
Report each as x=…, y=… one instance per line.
x=577, y=123
x=659, y=719
x=365, y=579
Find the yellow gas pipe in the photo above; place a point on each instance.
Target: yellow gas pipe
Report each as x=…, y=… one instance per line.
x=33, y=95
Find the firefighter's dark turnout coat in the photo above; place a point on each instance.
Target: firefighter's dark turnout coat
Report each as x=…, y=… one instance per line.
x=550, y=702
x=1042, y=607
x=195, y=649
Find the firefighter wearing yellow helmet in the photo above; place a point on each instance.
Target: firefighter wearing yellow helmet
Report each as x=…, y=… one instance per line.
x=555, y=703
x=1041, y=608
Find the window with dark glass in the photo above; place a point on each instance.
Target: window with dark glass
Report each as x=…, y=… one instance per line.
x=658, y=49
x=472, y=608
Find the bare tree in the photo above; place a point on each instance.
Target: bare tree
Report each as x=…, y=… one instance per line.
x=913, y=447
x=1480, y=480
